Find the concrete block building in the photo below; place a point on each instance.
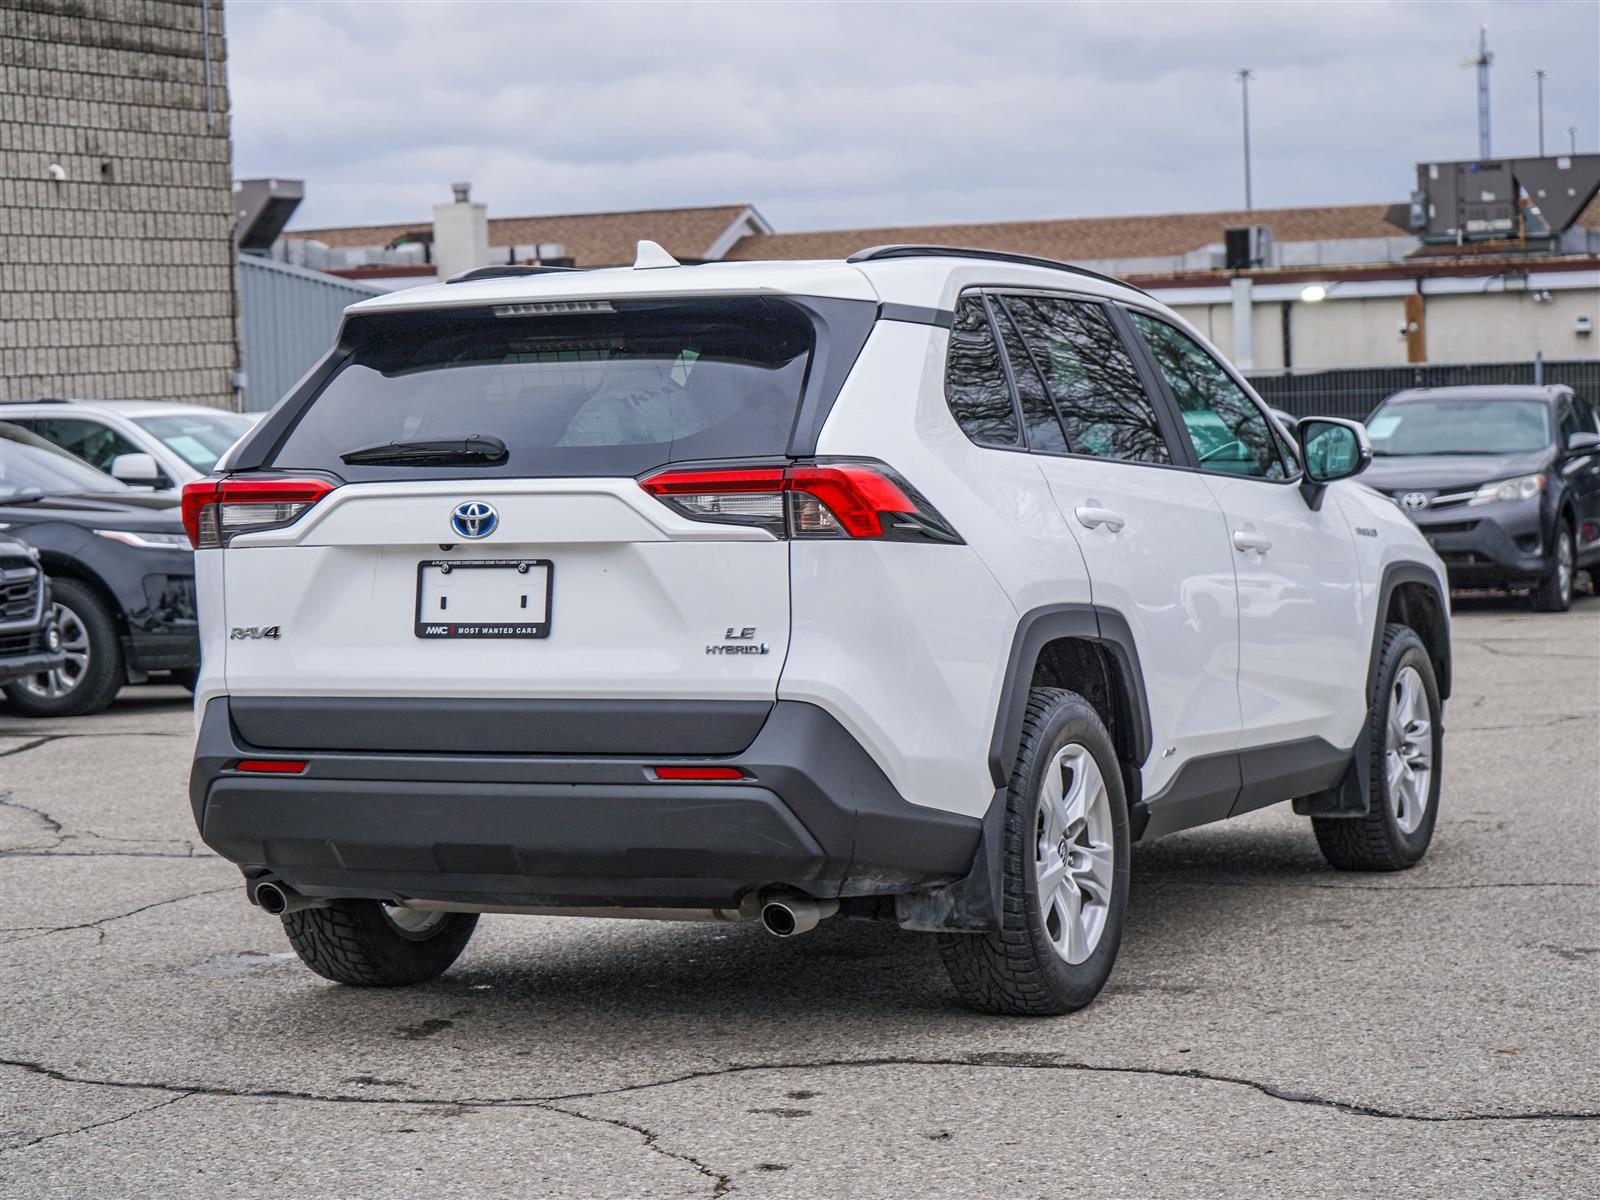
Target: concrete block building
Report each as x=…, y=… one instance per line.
x=116, y=214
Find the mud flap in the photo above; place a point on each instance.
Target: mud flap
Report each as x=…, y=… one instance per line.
x=971, y=904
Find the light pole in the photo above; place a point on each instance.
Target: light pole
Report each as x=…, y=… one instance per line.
x=1244, y=75
x=1539, y=79
x=1572, y=139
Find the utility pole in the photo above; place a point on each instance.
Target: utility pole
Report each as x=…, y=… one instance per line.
x=1539, y=79
x=1244, y=75
x=1482, y=63
x=1572, y=139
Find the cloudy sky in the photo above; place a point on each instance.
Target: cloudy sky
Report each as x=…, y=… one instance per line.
x=865, y=114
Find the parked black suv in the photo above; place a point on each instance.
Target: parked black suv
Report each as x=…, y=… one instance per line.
x=1503, y=481
x=29, y=642
x=121, y=575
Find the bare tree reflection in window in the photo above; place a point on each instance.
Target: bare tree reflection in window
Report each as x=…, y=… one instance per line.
x=975, y=382
x=1103, y=405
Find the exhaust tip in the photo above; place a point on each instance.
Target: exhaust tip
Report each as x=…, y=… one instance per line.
x=779, y=920
x=272, y=899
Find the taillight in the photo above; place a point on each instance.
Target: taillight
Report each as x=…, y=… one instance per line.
x=216, y=510
x=830, y=498
x=270, y=766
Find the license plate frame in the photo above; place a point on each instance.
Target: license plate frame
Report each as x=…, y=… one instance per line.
x=437, y=630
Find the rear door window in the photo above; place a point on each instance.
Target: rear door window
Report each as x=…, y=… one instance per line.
x=603, y=388
x=1105, y=410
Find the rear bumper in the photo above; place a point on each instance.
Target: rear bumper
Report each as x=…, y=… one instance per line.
x=814, y=813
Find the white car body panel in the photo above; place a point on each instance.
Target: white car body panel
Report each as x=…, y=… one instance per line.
x=638, y=595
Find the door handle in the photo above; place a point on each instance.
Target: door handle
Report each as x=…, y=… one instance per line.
x=1091, y=517
x=1243, y=540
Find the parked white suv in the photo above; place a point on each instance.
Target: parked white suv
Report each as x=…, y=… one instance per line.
x=157, y=444
x=918, y=586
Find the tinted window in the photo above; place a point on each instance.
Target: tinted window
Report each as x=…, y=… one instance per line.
x=198, y=438
x=975, y=382
x=1038, y=413
x=616, y=391
x=1104, y=408
x=1229, y=433
x=1417, y=427
x=94, y=442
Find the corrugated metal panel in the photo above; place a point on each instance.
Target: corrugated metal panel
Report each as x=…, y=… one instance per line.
x=288, y=318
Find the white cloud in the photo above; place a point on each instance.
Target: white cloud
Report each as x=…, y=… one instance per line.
x=877, y=114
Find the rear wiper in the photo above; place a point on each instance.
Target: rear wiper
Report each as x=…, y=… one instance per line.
x=475, y=451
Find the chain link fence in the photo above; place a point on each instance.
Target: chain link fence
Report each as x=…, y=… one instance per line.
x=1355, y=391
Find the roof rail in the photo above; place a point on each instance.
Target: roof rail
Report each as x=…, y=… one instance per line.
x=878, y=253
x=506, y=271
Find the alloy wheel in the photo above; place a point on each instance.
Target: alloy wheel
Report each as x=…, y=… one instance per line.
x=63, y=680
x=1564, y=570
x=1408, y=750
x=1073, y=856
x=414, y=923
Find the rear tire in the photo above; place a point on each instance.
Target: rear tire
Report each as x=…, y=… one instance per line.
x=360, y=943
x=1554, y=591
x=94, y=671
x=1406, y=733
x=1064, y=869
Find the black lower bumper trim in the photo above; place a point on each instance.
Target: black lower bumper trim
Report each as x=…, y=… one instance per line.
x=490, y=726
x=815, y=813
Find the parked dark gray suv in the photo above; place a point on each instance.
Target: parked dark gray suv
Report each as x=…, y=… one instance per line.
x=1504, y=482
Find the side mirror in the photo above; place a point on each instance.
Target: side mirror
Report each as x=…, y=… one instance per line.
x=1583, y=443
x=137, y=470
x=1331, y=449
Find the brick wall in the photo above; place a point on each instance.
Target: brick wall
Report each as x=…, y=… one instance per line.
x=119, y=280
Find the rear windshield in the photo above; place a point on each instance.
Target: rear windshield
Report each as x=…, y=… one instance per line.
x=617, y=391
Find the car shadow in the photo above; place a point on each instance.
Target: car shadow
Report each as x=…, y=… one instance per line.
x=696, y=982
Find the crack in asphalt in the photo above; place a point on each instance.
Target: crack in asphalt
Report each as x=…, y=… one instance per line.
x=1542, y=722
x=9, y=800
x=45, y=738
x=39, y=931
x=721, y=1184
x=63, y=1133
x=999, y=1060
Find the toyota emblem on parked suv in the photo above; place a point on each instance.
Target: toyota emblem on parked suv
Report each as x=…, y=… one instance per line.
x=474, y=519
x=1409, y=500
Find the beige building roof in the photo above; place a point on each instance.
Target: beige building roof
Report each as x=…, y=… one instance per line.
x=592, y=239
x=1095, y=238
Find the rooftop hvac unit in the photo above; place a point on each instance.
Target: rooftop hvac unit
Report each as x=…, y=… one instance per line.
x=1498, y=199
x=1246, y=247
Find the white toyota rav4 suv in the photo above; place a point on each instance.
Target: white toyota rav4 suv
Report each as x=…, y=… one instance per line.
x=918, y=586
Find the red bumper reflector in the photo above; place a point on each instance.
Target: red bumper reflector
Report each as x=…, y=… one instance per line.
x=271, y=766
x=698, y=773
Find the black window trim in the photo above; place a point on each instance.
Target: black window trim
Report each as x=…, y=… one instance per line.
x=1175, y=411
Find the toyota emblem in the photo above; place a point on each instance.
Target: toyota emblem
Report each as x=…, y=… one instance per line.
x=474, y=519
x=1414, y=500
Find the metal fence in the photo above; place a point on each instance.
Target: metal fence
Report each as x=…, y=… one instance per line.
x=1356, y=391
x=288, y=317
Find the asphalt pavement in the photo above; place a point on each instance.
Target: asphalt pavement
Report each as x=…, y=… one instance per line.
x=1273, y=1027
